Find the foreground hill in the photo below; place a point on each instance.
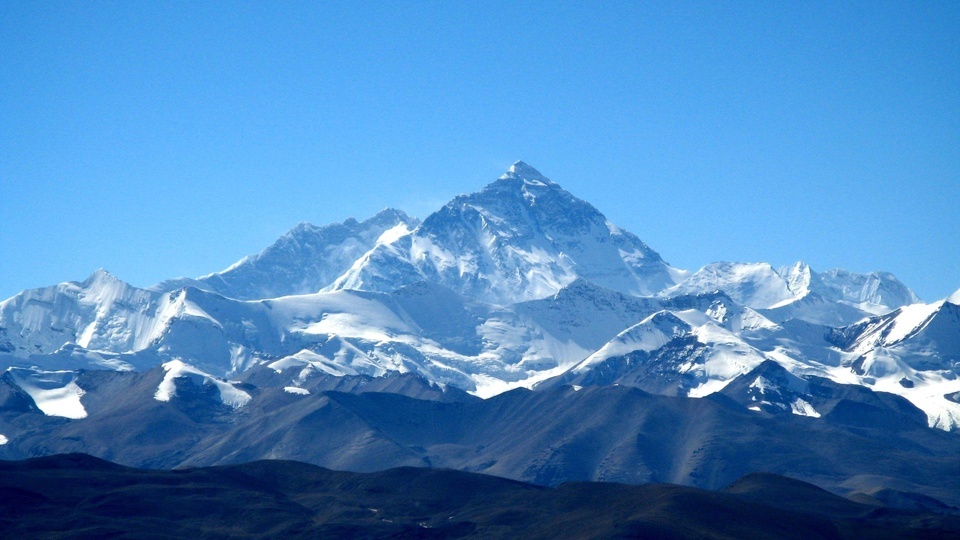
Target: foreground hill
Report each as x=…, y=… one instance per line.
x=77, y=496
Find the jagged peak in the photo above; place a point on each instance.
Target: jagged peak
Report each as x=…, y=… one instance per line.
x=387, y=214
x=527, y=174
x=769, y=368
x=303, y=227
x=393, y=214
x=797, y=268
x=101, y=275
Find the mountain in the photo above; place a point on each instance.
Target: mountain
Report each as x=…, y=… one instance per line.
x=836, y=297
x=292, y=500
x=512, y=286
x=520, y=238
x=551, y=436
x=305, y=260
x=770, y=388
x=756, y=285
x=876, y=291
x=913, y=351
x=679, y=353
x=423, y=328
x=99, y=313
x=515, y=332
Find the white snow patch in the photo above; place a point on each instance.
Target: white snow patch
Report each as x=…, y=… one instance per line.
x=3, y=440
x=802, y=408
x=711, y=386
x=392, y=235
x=56, y=393
x=296, y=390
x=229, y=394
x=761, y=384
x=910, y=319
x=648, y=335
x=954, y=298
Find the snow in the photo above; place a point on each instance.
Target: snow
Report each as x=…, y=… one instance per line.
x=229, y=395
x=520, y=238
x=306, y=359
x=910, y=319
x=648, y=335
x=755, y=285
x=304, y=260
x=802, y=408
x=56, y=393
x=954, y=298
x=393, y=234
x=100, y=313
x=296, y=390
x=3, y=440
x=761, y=384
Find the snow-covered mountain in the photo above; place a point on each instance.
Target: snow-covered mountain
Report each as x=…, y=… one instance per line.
x=520, y=238
x=422, y=328
x=305, y=260
x=876, y=292
x=518, y=285
x=835, y=297
x=913, y=352
x=100, y=313
x=685, y=353
x=756, y=285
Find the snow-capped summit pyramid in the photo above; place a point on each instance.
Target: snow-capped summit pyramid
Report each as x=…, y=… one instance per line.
x=527, y=174
x=520, y=238
x=302, y=261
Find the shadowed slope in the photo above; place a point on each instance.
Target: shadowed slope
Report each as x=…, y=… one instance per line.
x=74, y=496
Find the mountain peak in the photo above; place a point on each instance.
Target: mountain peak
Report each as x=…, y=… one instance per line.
x=954, y=298
x=100, y=275
x=392, y=215
x=304, y=227
x=526, y=173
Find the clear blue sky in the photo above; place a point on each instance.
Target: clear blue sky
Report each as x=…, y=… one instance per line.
x=172, y=138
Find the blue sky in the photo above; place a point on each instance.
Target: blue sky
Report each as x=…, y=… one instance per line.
x=172, y=138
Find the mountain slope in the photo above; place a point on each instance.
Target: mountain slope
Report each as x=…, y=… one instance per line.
x=303, y=261
x=876, y=291
x=79, y=496
x=836, y=297
x=520, y=238
x=548, y=437
x=99, y=313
